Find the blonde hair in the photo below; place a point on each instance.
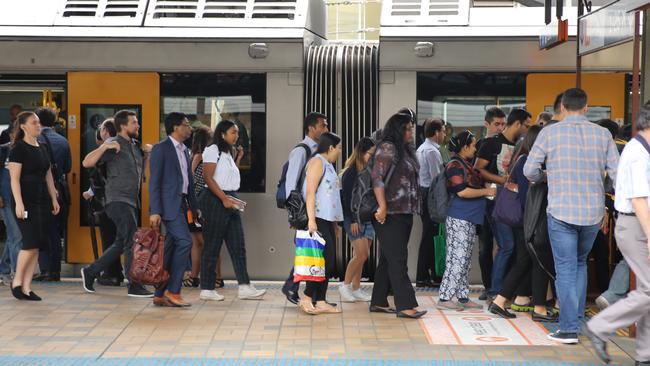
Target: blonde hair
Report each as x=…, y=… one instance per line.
x=356, y=158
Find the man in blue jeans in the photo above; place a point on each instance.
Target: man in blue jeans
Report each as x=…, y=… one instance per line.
x=577, y=154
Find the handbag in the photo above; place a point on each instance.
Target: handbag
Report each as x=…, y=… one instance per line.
x=507, y=206
x=147, y=266
x=296, y=205
x=440, y=250
x=309, y=263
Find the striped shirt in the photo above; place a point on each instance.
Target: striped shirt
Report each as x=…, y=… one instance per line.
x=577, y=153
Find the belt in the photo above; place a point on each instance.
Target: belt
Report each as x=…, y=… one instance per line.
x=627, y=213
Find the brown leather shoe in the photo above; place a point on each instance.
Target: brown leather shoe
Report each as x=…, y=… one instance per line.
x=176, y=299
x=162, y=301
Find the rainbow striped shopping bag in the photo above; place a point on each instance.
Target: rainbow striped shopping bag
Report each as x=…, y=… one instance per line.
x=310, y=263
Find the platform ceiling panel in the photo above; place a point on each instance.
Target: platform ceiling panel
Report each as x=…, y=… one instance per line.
x=101, y=12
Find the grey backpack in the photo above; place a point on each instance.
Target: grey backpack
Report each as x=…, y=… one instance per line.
x=439, y=198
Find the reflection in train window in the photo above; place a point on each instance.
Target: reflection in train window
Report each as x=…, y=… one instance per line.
x=208, y=99
x=462, y=98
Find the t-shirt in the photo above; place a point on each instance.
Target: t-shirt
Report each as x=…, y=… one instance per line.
x=227, y=173
x=461, y=175
x=35, y=164
x=497, y=151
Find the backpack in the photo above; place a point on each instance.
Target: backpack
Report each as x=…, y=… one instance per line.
x=296, y=205
x=363, y=203
x=147, y=264
x=439, y=198
x=281, y=193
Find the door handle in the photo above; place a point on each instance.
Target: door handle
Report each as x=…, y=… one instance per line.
x=74, y=178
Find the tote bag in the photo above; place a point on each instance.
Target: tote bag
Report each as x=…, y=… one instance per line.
x=440, y=249
x=309, y=264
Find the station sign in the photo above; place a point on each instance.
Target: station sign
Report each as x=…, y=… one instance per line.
x=606, y=27
x=554, y=34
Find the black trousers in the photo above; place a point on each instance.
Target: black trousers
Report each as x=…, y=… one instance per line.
x=600, y=252
x=486, y=247
x=318, y=290
x=525, y=276
x=392, y=270
x=108, y=231
x=426, y=271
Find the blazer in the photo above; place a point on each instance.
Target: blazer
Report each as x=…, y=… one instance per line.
x=166, y=182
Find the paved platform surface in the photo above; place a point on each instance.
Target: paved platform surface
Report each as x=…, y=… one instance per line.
x=71, y=327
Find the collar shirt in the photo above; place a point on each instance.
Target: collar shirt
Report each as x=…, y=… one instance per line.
x=430, y=161
x=297, y=160
x=227, y=173
x=633, y=177
x=577, y=153
x=181, y=154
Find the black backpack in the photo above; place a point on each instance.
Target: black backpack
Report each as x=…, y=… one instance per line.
x=296, y=205
x=438, y=197
x=363, y=203
x=281, y=193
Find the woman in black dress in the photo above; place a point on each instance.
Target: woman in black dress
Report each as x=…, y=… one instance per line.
x=31, y=174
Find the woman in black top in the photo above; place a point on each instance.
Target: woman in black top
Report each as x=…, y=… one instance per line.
x=30, y=171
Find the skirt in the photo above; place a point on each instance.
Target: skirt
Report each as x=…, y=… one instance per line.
x=36, y=228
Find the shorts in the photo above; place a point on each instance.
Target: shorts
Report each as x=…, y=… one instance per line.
x=365, y=230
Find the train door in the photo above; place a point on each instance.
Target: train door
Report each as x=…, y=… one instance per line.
x=92, y=97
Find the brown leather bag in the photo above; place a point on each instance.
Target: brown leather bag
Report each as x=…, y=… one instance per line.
x=147, y=266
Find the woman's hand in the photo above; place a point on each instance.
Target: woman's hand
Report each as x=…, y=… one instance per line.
x=490, y=192
x=311, y=226
x=240, y=152
x=380, y=215
x=228, y=203
x=55, y=207
x=20, y=211
x=354, y=228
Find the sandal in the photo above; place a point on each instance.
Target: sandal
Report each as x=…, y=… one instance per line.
x=327, y=309
x=191, y=282
x=307, y=307
x=219, y=283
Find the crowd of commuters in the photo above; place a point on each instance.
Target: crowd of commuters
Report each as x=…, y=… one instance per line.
x=570, y=160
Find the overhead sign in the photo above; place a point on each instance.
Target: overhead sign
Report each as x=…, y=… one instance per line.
x=606, y=27
x=554, y=34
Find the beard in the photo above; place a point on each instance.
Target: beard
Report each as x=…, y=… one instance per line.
x=133, y=135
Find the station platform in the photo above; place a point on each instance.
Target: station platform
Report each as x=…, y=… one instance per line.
x=71, y=327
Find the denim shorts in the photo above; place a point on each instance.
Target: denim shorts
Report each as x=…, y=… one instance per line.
x=365, y=230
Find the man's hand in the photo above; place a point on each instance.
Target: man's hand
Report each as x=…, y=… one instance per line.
x=87, y=196
x=147, y=148
x=154, y=221
x=108, y=145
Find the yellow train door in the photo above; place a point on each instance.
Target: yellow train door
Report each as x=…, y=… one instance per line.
x=92, y=97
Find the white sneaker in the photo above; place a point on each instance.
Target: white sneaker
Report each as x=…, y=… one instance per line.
x=602, y=303
x=212, y=295
x=249, y=292
x=346, y=293
x=360, y=295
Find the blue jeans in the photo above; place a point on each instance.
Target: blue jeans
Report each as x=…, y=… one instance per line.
x=178, y=243
x=13, y=243
x=571, y=245
x=506, y=246
x=619, y=285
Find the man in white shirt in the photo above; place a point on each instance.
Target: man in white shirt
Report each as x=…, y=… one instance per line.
x=633, y=239
x=431, y=165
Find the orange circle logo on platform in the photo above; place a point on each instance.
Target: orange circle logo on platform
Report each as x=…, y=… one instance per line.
x=477, y=318
x=492, y=339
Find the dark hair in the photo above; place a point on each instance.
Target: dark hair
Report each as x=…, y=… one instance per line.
x=545, y=116
x=326, y=141
x=527, y=143
x=458, y=142
x=21, y=119
x=16, y=106
x=557, y=104
x=394, y=131
x=409, y=113
x=609, y=125
x=643, y=119
x=200, y=140
x=46, y=115
x=433, y=125
x=172, y=120
x=121, y=118
x=219, y=131
x=517, y=115
x=492, y=113
x=109, y=126
x=574, y=99
x=312, y=120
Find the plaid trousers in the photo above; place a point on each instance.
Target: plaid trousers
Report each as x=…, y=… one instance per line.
x=221, y=224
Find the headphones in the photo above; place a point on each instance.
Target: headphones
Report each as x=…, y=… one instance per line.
x=407, y=112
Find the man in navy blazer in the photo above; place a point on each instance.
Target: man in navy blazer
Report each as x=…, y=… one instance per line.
x=172, y=201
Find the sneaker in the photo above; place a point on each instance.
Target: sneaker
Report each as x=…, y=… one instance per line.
x=137, y=290
x=346, y=293
x=87, y=280
x=483, y=296
x=469, y=304
x=602, y=303
x=5, y=279
x=448, y=305
x=249, y=292
x=360, y=295
x=211, y=295
x=562, y=337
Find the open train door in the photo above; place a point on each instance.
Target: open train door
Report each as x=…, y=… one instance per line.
x=93, y=97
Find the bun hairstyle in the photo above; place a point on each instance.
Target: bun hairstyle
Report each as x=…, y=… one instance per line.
x=458, y=142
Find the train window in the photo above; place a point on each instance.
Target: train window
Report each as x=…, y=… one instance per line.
x=208, y=99
x=462, y=98
x=92, y=116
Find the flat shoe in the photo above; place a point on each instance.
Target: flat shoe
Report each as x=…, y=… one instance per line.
x=417, y=315
x=548, y=318
x=380, y=309
x=497, y=310
x=32, y=296
x=18, y=292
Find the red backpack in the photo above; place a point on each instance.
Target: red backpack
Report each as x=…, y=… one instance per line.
x=147, y=265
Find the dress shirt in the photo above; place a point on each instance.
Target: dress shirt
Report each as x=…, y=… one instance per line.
x=577, y=154
x=181, y=154
x=297, y=160
x=633, y=178
x=430, y=161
